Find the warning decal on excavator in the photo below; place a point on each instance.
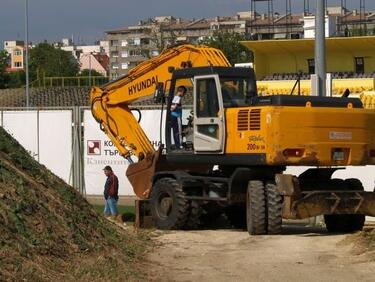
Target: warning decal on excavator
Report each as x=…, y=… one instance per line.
x=335, y=135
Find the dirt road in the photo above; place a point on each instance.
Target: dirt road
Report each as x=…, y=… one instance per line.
x=225, y=255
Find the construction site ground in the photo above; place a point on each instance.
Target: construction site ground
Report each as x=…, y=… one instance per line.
x=49, y=232
x=223, y=254
x=300, y=254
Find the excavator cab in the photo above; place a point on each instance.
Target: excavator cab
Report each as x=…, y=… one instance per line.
x=210, y=90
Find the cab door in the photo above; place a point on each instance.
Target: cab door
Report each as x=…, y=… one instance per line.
x=209, y=118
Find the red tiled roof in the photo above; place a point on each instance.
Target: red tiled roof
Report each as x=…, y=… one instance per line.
x=103, y=59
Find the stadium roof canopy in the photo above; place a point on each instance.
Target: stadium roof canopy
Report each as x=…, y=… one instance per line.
x=333, y=44
x=288, y=56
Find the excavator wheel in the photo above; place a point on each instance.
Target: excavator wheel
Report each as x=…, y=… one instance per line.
x=274, y=209
x=343, y=223
x=169, y=207
x=256, y=208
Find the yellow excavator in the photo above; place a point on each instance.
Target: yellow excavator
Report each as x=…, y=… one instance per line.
x=236, y=146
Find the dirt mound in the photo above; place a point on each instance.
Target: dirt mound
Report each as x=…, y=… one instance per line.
x=48, y=231
x=363, y=242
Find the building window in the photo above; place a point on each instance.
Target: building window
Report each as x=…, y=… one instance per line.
x=114, y=42
x=17, y=53
x=311, y=66
x=124, y=54
x=124, y=43
x=114, y=66
x=134, y=53
x=359, y=65
x=18, y=64
x=145, y=41
x=114, y=54
x=124, y=66
x=137, y=41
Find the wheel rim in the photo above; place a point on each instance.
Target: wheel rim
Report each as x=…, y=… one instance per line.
x=165, y=203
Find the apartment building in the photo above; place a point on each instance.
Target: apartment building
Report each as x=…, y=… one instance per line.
x=131, y=45
x=16, y=50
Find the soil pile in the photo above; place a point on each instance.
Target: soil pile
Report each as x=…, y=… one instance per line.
x=364, y=242
x=49, y=231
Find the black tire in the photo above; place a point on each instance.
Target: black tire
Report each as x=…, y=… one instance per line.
x=256, y=208
x=274, y=209
x=337, y=184
x=344, y=223
x=169, y=207
x=236, y=216
x=354, y=184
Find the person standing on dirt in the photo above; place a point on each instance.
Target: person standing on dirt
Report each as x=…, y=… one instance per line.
x=176, y=116
x=110, y=193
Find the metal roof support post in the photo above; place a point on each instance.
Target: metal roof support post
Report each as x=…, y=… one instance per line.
x=76, y=148
x=81, y=145
x=320, y=47
x=27, y=87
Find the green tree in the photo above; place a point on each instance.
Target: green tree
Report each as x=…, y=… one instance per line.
x=4, y=76
x=229, y=43
x=17, y=79
x=50, y=61
x=86, y=72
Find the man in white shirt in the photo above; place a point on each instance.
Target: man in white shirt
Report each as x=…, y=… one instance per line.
x=176, y=116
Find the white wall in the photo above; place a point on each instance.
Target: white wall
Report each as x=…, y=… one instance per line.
x=55, y=142
x=47, y=137
x=105, y=152
x=309, y=26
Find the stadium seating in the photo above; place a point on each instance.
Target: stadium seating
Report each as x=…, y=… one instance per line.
x=368, y=99
x=306, y=76
x=283, y=83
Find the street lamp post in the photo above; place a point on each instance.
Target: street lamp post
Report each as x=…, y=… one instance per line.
x=320, y=48
x=27, y=52
x=90, y=69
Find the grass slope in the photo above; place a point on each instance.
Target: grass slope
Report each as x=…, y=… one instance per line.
x=50, y=232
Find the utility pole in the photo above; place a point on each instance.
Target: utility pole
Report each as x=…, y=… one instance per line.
x=27, y=52
x=90, y=69
x=320, y=47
